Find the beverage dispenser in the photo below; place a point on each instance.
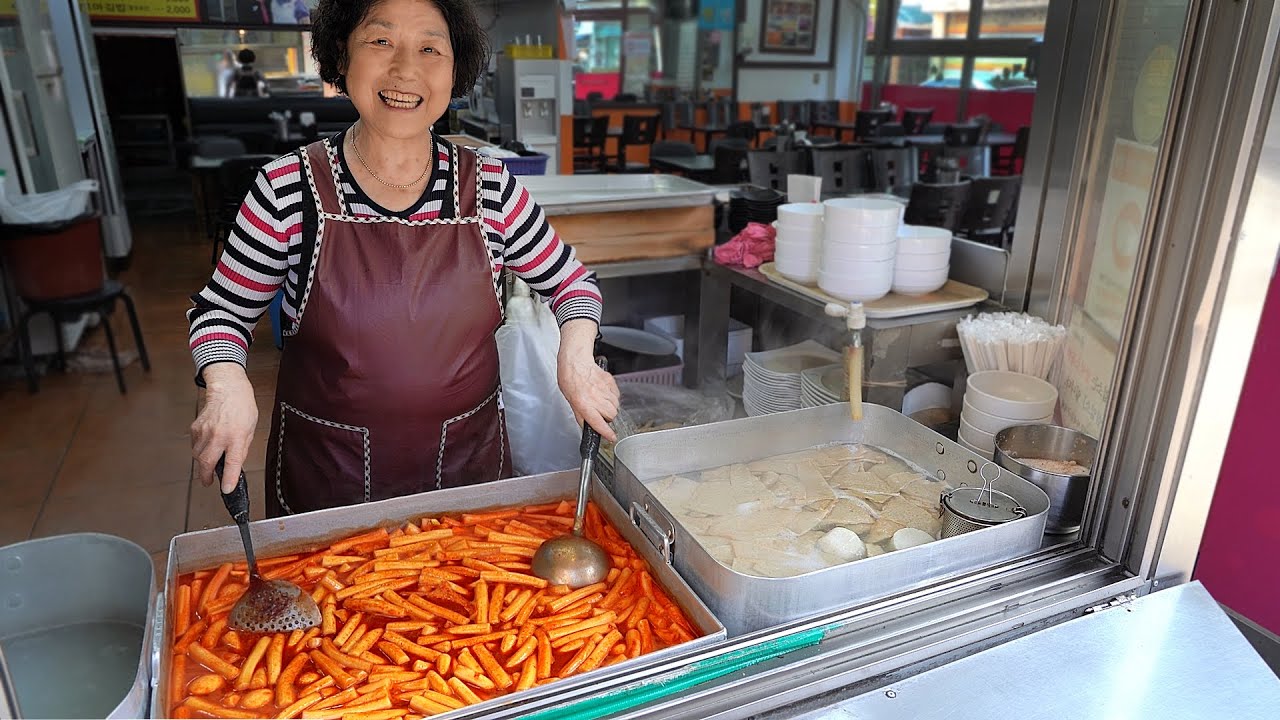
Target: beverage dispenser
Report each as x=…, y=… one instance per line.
x=529, y=96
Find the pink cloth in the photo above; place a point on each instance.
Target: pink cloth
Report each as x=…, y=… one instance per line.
x=750, y=248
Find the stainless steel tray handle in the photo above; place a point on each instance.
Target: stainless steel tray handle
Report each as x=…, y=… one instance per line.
x=157, y=638
x=662, y=539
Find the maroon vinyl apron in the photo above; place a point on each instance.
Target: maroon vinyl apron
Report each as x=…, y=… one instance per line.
x=388, y=384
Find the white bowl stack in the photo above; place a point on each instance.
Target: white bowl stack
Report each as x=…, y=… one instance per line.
x=997, y=399
x=798, y=251
x=923, y=261
x=859, y=247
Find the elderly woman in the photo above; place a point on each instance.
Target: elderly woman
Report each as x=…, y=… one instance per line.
x=390, y=244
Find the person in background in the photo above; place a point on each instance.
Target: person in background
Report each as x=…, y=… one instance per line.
x=247, y=82
x=390, y=244
x=226, y=69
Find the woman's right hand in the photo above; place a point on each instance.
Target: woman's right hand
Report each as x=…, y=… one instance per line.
x=225, y=424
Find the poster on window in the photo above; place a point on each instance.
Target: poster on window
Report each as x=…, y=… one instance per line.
x=789, y=26
x=259, y=12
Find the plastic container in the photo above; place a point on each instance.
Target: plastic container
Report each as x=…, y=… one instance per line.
x=526, y=164
x=52, y=261
x=75, y=623
x=277, y=328
x=672, y=326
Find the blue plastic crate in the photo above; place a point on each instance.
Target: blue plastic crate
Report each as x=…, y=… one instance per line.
x=531, y=164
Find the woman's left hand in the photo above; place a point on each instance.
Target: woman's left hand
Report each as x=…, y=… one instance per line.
x=591, y=392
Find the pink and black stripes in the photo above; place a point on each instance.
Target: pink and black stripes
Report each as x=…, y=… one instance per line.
x=264, y=252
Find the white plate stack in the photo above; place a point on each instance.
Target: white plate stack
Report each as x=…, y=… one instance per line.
x=824, y=385
x=771, y=380
x=798, y=250
x=923, y=261
x=997, y=399
x=859, y=247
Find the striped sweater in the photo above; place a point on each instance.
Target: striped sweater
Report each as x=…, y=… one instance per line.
x=265, y=249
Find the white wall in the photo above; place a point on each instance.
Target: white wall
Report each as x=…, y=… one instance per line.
x=839, y=81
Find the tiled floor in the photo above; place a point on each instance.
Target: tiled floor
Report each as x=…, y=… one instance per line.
x=80, y=457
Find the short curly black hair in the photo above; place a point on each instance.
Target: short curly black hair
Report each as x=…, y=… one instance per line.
x=333, y=21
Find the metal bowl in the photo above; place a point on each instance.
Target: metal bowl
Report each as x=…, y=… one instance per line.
x=1066, y=493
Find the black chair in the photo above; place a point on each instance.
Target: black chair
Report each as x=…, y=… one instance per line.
x=1008, y=160
x=992, y=208
x=895, y=169
x=595, y=96
x=673, y=148
x=734, y=142
x=730, y=163
x=795, y=112
x=636, y=130
x=676, y=115
x=938, y=205
x=589, y=137
x=965, y=135
x=67, y=308
x=891, y=133
x=770, y=168
x=866, y=123
x=721, y=112
x=626, y=97
x=824, y=112
x=916, y=120
x=581, y=108
x=236, y=177
x=744, y=130
x=985, y=126
x=844, y=170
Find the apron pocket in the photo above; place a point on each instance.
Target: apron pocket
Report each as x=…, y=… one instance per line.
x=320, y=463
x=473, y=447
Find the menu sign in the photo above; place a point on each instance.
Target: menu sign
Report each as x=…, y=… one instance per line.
x=1119, y=234
x=144, y=10
x=1084, y=375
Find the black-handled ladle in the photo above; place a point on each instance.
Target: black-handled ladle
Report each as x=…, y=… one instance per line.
x=572, y=559
x=267, y=606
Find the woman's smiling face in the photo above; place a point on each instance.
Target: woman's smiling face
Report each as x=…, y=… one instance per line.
x=400, y=67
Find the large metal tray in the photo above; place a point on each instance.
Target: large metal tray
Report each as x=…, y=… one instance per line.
x=746, y=603
x=575, y=194
x=208, y=548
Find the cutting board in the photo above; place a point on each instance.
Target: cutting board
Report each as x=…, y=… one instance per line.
x=953, y=296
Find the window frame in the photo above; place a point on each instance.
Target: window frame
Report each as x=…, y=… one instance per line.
x=885, y=46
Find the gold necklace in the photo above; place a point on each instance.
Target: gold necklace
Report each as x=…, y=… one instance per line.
x=369, y=170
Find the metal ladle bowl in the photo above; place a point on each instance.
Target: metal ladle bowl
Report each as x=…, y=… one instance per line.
x=572, y=559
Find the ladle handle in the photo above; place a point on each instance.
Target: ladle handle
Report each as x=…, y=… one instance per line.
x=237, y=502
x=587, y=450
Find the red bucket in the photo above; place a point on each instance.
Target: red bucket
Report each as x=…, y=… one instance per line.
x=55, y=260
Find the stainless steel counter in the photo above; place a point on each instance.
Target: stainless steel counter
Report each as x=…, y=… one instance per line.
x=1171, y=654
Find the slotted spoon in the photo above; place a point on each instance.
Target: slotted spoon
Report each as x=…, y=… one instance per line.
x=267, y=606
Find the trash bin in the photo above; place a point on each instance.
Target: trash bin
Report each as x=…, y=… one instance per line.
x=75, y=625
x=54, y=260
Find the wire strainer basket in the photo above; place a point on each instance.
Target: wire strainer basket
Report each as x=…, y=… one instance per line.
x=965, y=509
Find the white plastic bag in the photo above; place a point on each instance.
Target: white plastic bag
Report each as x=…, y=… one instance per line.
x=544, y=436
x=65, y=203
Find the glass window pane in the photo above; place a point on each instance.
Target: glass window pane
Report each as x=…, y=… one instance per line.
x=1138, y=82
x=934, y=19
x=1013, y=18
x=208, y=59
x=922, y=81
x=597, y=61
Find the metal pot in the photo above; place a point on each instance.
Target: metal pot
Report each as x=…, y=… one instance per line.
x=1066, y=493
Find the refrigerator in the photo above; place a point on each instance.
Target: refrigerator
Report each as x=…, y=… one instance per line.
x=56, y=129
